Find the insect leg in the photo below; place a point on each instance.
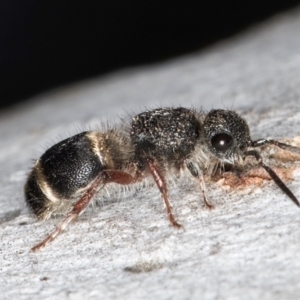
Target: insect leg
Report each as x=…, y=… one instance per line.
x=196, y=172
x=102, y=179
x=162, y=185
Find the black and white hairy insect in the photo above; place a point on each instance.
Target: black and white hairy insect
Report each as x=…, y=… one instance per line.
x=160, y=142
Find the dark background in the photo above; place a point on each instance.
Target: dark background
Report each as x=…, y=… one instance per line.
x=45, y=44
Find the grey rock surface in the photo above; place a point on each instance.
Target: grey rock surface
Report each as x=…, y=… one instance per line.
x=246, y=248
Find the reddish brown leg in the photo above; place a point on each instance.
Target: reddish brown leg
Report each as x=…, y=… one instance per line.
x=103, y=178
x=161, y=183
x=121, y=177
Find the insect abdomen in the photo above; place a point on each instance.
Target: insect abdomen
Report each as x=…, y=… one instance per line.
x=60, y=173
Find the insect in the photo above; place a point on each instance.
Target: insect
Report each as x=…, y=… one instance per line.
x=66, y=178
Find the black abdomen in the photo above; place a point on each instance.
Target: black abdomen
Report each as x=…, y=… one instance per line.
x=70, y=165
x=60, y=173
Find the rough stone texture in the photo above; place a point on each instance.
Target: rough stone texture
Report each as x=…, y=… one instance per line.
x=247, y=248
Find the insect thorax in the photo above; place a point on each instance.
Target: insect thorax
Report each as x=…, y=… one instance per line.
x=166, y=133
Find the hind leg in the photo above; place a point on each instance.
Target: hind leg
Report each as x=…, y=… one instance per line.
x=99, y=182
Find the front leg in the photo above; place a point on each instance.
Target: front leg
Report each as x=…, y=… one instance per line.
x=197, y=173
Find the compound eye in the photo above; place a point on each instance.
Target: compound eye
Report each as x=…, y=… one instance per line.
x=222, y=141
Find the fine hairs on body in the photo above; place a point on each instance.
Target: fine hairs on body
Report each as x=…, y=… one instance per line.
x=159, y=142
